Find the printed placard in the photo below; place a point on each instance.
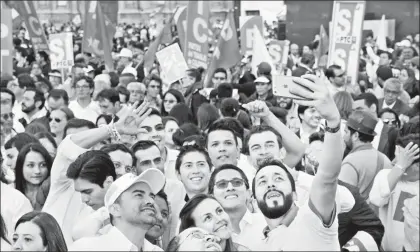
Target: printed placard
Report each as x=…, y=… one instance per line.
x=61, y=45
x=346, y=36
x=172, y=62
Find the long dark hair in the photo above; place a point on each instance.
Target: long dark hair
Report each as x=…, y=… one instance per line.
x=51, y=234
x=20, y=182
x=187, y=220
x=3, y=230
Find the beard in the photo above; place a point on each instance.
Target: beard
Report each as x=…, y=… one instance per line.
x=278, y=210
x=28, y=109
x=286, y=105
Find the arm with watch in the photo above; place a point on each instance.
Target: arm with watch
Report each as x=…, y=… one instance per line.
x=386, y=180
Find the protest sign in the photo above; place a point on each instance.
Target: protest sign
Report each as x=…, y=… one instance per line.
x=6, y=41
x=26, y=9
x=346, y=36
x=276, y=49
x=197, y=46
x=247, y=24
x=61, y=46
x=172, y=63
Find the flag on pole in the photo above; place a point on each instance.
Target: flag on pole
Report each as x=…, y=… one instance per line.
x=226, y=54
x=324, y=43
x=98, y=33
x=180, y=19
x=381, y=38
x=149, y=56
x=259, y=52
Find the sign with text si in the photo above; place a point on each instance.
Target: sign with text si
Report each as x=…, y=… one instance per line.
x=26, y=9
x=196, y=46
x=247, y=24
x=277, y=49
x=61, y=45
x=6, y=41
x=346, y=36
x=172, y=62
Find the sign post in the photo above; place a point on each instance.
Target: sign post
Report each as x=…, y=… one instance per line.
x=6, y=41
x=346, y=37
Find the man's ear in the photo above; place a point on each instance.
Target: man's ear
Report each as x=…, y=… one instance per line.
x=108, y=181
x=373, y=108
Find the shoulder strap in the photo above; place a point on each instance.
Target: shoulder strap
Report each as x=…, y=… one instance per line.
x=379, y=166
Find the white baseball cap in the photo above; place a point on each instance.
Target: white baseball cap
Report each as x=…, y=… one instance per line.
x=126, y=53
x=131, y=70
x=404, y=43
x=262, y=79
x=152, y=177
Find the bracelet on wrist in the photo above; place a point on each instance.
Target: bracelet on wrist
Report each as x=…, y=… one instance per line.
x=399, y=167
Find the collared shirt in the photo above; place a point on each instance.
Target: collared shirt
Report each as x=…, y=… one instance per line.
x=114, y=240
x=38, y=114
x=90, y=112
x=63, y=202
x=246, y=167
x=378, y=130
x=251, y=226
x=384, y=106
x=13, y=206
x=170, y=163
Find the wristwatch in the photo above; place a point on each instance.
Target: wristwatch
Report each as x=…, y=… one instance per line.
x=332, y=130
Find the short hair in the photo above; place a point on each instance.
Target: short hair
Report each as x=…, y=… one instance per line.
x=394, y=81
x=36, y=127
x=317, y=136
x=329, y=72
x=94, y=166
x=124, y=91
x=220, y=125
x=109, y=94
x=365, y=138
x=257, y=130
x=385, y=52
x=20, y=181
x=274, y=162
x=206, y=115
x=44, y=55
x=193, y=72
x=184, y=131
x=143, y=145
x=59, y=93
x=344, y=103
x=87, y=79
x=21, y=51
x=235, y=125
x=107, y=118
x=220, y=70
x=39, y=96
x=184, y=150
x=8, y=91
x=369, y=100
x=20, y=140
x=389, y=110
x=68, y=112
x=77, y=123
x=166, y=119
x=301, y=110
x=307, y=58
x=118, y=147
x=51, y=234
x=153, y=77
x=48, y=136
x=25, y=81
x=212, y=180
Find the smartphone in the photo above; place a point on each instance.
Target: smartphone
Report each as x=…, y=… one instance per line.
x=281, y=85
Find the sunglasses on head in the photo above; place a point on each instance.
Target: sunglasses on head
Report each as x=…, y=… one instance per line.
x=7, y=116
x=223, y=184
x=57, y=120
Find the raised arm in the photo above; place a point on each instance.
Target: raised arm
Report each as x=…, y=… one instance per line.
x=324, y=187
x=294, y=147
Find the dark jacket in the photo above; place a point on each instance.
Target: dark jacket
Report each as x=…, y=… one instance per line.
x=387, y=141
x=300, y=70
x=399, y=107
x=360, y=218
x=270, y=98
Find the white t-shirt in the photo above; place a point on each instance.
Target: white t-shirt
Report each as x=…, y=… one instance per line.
x=91, y=112
x=391, y=205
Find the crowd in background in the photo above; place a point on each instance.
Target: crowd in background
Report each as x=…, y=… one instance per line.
x=122, y=160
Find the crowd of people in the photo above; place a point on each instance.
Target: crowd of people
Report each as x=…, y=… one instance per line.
x=121, y=161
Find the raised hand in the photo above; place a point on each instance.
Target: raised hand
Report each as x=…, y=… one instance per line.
x=258, y=109
x=320, y=97
x=406, y=156
x=131, y=117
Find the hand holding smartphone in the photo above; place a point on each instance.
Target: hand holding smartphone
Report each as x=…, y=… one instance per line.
x=281, y=86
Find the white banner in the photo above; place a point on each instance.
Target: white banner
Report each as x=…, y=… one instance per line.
x=61, y=46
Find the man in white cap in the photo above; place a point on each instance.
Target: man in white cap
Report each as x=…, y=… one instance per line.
x=133, y=211
x=126, y=62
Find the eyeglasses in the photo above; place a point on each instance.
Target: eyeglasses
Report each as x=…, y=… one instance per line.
x=223, y=184
x=57, y=120
x=148, y=163
x=82, y=87
x=169, y=101
x=390, y=121
x=7, y=116
x=119, y=166
x=158, y=127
